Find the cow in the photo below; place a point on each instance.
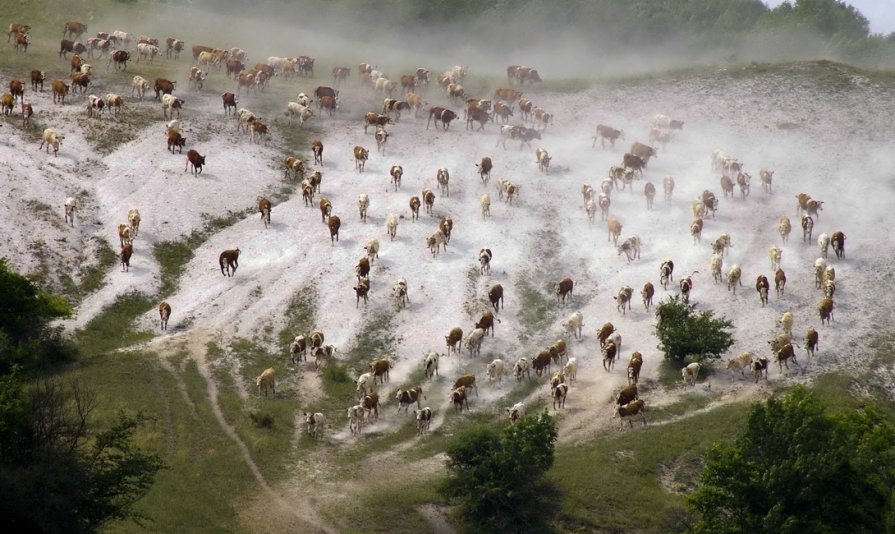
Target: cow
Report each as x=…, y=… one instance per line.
x=361, y=155
x=495, y=296
x=523, y=134
x=315, y=422
x=194, y=160
x=631, y=409
x=807, y=228
x=37, y=78
x=430, y=363
x=630, y=247
x=776, y=256
x=784, y=355
x=515, y=413
x=485, y=261
x=734, y=277
x=230, y=101
x=563, y=289
x=758, y=366
x=399, y=291
x=229, y=261
x=762, y=286
x=666, y=272
x=52, y=138
x=17, y=28
x=614, y=230
x=173, y=103
x=163, y=86
x=440, y=114
x=633, y=162
x=453, y=339
x=164, y=310
x=264, y=209
x=361, y=290
x=423, y=420
x=825, y=309
x=521, y=368
x=811, y=340
x=838, y=242
x=125, y=257
x=474, y=341
x=356, y=419
x=623, y=299
x=543, y=160
x=647, y=293
x=428, y=200
x=690, y=373
x=70, y=209
x=458, y=398
x=634, y=368
x=686, y=285
x=175, y=140
x=610, y=351
x=605, y=133
x=73, y=29
x=559, y=395
x=626, y=395
x=380, y=369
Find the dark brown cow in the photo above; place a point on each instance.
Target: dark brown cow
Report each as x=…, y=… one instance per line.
x=120, y=58
x=361, y=290
x=441, y=114
x=333, y=223
x=415, y=208
x=73, y=29
x=193, y=158
x=125, y=256
x=80, y=80
x=76, y=62
x=563, y=289
x=163, y=86
x=175, y=140
x=305, y=66
x=408, y=82
x=484, y=168
x=541, y=362
x=495, y=296
x=605, y=331
x=474, y=114
x=229, y=261
x=486, y=322
x=17, y=89
x=362, y=269
x=526, y=74
x=454, y=339
x=627, y=394
x=164, y=311
x=837, y=239
x=230, y=102
x=323, y=90
x=458, y=398
x=762, y=286
x=634, y=162
x=37, y=78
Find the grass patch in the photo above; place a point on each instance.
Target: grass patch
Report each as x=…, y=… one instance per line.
x=113, y=328
x=536, y=312
x=386, y=507
x=375, y=340
x=173, y=256
x=110, y=132
x=93, y=277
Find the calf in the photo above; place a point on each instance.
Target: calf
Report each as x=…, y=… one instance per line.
x=440, y=114
x=623, y=299
x=838, y=242
x=229, y=261
x=515, y=413
x=194, y=159
x=564, y=289
x=495, y=296
x=139, y=85
x=431, y=364
x=762, y=286
x=825, y=309
x=52, y=138
x=37, y=78
x=317, y=149
x=609, y=352
x=811, y=338
x=784, y=354
x=631, y=409
x=760, y=366
x=423, y=420
x=541, y=362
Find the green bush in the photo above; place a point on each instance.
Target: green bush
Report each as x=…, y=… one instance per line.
x=497, y=477
x=798, y=468
x=336, y=373
x=261, y=420
x=685, y=334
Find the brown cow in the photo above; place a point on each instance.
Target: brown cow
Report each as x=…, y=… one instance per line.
x=17, y=89
x=541, y=362
x=317, y=149
x=125, y=257
x=633, y=162
x=175, y=140
x=627, y=394
x=605, y=331
x=454, y=339
x=486, y=322
x=73, y=29
x=234, y=67
x=414, y=208
x=264, y=208
x=475, y=114
x=60, y=91
x=333, y=223
x=361, y=290
x=564, y=289
x=441, y=114
x=80, y=80
x=811, y=339
x=163, y=86
x=164, y=311
x=826, y=311
x=374, y=119
x=229, y=261
x=361, y=155
x=644, y=152
x=27, y=112
x=328, y=103
x=362, y=269
x=507, y=95
x=634, y=368
x=408, y=82
x=495, y=296
x=230, y=101
x=458, y=397
x=37, y=78
x=197, y=161
x=837, y=239
x=326, y=209
x=16, y=28
x=380, y=369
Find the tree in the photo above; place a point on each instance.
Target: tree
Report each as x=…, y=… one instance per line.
x=683, y=332
x=798, y=468
x=55, y=476
x=25, y=313
x=496, y=477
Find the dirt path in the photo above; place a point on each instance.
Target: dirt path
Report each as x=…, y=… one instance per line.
x=195, y=343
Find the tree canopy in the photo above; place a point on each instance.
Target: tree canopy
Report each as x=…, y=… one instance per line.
x=685, y=333
x=496, y=477
x=799, y=468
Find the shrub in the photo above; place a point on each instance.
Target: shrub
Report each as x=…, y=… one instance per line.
x=683, y=333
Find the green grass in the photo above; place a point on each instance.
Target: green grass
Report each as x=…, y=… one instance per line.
x=93, y=277
x=113, y=328
x=301, y=313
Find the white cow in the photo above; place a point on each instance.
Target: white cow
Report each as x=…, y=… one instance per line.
x=391, y=224
x=139, y=85
x=316, y=422
x=474, y=341
x=294, y=109
x=431, y=364
x=690, y=373
x=515, y=413
x=364, y=383
x=741, y=362
x=574, y=324
x=363, y=203
x=570, y=369
x=496, y=370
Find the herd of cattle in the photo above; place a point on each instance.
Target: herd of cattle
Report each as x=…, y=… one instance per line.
x=503, y=105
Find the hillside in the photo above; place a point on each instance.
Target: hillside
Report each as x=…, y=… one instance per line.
x=822, y=127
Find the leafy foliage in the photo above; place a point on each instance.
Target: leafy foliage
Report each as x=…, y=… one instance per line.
x=684, y=333
x=25, y=313
x=53, y=476
x=496, y=477
x=799, y=468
